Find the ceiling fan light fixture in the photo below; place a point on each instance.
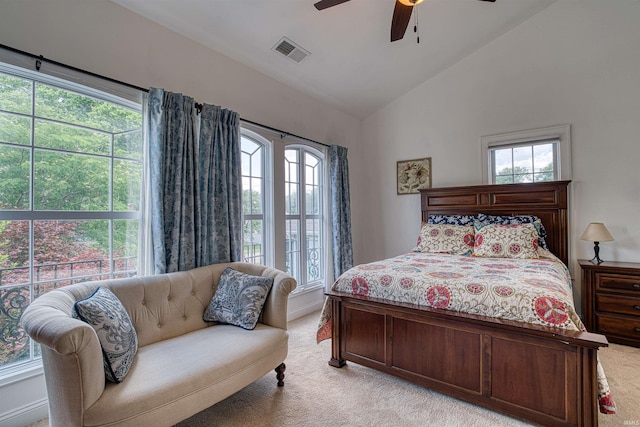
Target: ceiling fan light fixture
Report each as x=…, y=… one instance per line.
x=410, y=2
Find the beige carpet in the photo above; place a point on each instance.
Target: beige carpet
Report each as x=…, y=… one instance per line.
x=316, y=394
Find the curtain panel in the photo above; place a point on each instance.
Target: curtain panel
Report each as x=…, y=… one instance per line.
x=195, y=183
x=342, y=247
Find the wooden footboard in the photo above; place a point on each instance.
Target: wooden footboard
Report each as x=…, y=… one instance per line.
x=544, y=375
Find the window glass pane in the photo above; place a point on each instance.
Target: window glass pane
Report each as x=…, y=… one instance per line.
x=127, y=183
x=71, y=182
x=291, y=156
x=253, y=242
x=543, y=157
x=249, y=146
x=71, y=138
x=291, y=199
x=16, y=94
x=15, y=169
x=246, y=195
x=256, y=164
x=14, y=252
x=246, y=163
x=128, y=144
x=292, y=244
x=314, y=250
x=523, y=160
x=503, y=161
x=14, y=342
x=69, y=249
x=256, y=196
x=70, y=107
x=125, y=245
x=15, y=129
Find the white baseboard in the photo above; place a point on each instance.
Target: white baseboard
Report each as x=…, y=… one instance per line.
x=25, y=415
x=304, y=310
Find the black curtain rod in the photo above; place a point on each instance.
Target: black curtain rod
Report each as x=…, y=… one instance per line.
x=40, y=58
x=282, y=132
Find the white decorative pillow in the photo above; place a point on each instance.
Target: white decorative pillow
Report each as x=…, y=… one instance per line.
x=106, y=314
x=445, y=238
x=239, y=299
x=506, y=241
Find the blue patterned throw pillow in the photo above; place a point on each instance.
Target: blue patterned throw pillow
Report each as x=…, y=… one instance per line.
x=466, y=220
x=515, y=220
x=239, y=299
x=106, y=314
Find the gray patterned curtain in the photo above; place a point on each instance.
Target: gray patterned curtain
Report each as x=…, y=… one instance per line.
x=195, y=183
x=340, y=210
x=220, y=193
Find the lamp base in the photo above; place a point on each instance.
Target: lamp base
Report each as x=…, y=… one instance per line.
x=596, y=260
x=596, y=249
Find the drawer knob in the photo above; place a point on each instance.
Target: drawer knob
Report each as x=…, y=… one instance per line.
x=636, y=307
x=637, y=330
x=636, y=286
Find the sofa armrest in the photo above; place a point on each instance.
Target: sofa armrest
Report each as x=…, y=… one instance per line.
x=71, y=355
x=275, y=307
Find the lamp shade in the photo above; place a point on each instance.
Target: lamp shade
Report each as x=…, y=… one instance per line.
x=596, y=232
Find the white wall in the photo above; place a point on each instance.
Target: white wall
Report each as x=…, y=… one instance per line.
x=104, y=38
x=574, y=63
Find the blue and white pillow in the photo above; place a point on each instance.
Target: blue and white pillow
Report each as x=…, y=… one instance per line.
x=108, y=317
x=451, y=219
x=515, y=220
x=239, y=299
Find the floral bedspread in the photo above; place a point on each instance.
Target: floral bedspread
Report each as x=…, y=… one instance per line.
x=534, y=291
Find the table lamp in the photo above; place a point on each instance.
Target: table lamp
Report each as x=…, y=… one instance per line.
x=596, y=232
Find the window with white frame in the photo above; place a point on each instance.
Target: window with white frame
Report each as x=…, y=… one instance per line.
x=283, y=206
x=70, y=184
x=255, y=229
x=527, y=156
x=304, y=210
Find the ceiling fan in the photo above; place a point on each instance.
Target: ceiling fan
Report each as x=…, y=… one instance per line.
x=401, y=14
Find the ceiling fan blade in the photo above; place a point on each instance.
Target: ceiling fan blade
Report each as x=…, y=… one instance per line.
x=323, y=4
x=492, y=1
x=400, y=21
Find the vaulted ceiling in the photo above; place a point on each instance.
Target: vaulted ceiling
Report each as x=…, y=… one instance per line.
x=352, y=63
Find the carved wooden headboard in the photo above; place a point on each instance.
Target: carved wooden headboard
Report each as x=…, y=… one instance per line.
x=547, y=200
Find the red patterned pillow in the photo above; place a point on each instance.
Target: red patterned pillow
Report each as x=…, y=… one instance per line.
x=445, y=238
x=506, y=241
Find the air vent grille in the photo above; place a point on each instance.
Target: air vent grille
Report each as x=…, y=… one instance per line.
x=291, y=50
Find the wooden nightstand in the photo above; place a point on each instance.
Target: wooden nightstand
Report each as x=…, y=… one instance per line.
x=612, y=300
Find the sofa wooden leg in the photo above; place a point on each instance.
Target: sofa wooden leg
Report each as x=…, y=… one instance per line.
x=280, y=374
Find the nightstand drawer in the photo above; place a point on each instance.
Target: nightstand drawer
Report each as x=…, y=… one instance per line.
x=618, y=282
x=619, y=326
x=618, y=304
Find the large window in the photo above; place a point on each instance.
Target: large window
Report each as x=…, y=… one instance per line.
x=253, y=200
x=534, y=155
x=70, y=179
x=283, y=207
x=304, y=215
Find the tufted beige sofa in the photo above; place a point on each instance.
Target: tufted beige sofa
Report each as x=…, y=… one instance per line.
x=183, y=364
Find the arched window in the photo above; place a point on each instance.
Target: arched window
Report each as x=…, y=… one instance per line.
x=255, y=198
x=283, y=198
x=304, y=213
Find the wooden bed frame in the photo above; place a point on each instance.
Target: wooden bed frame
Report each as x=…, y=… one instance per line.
x=541, y=374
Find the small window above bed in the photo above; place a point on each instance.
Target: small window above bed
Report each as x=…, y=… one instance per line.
x=534, y=155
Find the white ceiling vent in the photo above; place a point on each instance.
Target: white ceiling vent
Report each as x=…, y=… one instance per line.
x=291, y=50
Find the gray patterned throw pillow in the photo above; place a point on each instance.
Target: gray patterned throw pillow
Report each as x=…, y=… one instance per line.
x=239, y=299
x=106, y=314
